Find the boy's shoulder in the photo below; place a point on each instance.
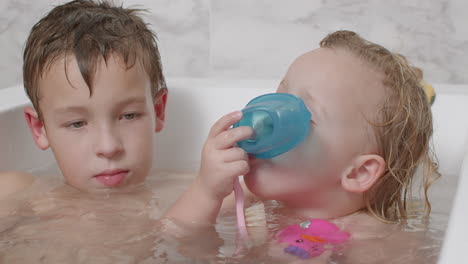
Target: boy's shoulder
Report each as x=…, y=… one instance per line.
x=12, y=182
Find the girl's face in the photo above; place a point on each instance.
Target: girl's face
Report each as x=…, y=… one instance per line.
x=341, y=92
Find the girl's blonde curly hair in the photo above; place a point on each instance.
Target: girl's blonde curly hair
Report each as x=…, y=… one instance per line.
x=402, y=126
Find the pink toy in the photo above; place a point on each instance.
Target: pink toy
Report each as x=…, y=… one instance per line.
x=312, y=238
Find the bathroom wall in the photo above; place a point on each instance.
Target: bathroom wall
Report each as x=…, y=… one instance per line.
x=260, y=38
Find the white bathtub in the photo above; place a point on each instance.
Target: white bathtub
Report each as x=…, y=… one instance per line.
x=193, y=106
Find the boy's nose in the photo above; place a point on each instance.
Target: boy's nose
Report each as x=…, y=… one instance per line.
x=109, y=144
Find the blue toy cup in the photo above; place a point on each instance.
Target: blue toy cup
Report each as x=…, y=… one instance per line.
x=280, y=121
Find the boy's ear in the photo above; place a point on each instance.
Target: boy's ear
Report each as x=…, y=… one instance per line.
x=363, y=173
x=160, y=108
x=37, y=128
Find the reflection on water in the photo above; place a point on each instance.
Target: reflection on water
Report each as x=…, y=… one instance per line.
x=52, y=223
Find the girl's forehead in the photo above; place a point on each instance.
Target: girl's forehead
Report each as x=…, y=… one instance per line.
x=337, y=80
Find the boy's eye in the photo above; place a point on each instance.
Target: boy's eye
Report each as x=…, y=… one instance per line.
x=130, y=116
x=77, y=124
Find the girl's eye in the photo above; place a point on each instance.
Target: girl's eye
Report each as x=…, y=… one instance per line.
x=77, y=124
x=130, y=116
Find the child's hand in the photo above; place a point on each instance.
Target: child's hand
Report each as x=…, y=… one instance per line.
x=222, y=161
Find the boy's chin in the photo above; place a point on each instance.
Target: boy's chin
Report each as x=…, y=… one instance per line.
x=96, y=187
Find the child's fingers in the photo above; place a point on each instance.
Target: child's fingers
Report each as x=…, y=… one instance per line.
x=228, y=138
x=224, y=123
x=237, y=168
x=234, y=154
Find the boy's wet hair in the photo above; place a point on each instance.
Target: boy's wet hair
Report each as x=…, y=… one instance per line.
x=91, y=31
x=402, y=126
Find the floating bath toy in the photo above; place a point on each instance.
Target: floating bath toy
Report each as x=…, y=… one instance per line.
x=430, y=93
x=312, y=238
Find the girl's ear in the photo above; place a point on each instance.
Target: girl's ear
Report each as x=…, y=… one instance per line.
x=37, y=128
x=363, y=173
x=160, y=109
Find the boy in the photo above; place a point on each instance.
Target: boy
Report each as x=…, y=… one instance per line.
x=93, y=74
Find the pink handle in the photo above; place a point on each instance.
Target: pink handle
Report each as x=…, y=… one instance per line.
x=239, y=194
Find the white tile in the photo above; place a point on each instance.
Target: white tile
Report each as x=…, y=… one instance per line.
x=182, y=28
x=16, y=19
x=259, y=39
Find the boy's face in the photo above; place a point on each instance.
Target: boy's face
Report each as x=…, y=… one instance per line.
x=104, y=140
x=340, y=91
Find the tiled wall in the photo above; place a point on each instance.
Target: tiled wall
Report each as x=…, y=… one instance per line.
x=260, y=38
